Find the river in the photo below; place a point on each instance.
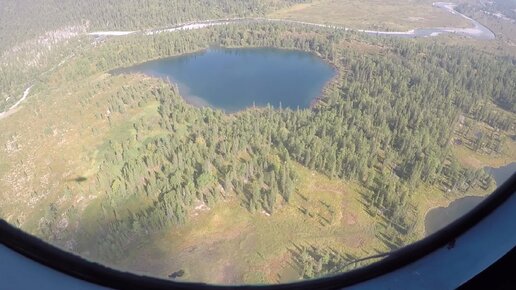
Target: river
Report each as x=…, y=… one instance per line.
x=478, y=30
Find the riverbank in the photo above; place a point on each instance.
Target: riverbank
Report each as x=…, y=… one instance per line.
x=477, y=31
x=12, y=109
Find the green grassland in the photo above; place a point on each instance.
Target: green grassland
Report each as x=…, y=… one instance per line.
x=477, y=160
x=372, y=14
x=57, y=137
x=497, y=149
x=503, y=27
x=227, y=244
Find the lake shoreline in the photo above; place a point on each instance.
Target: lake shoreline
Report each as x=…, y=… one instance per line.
x=446, y=204
x=160, y=64
x=499, y=176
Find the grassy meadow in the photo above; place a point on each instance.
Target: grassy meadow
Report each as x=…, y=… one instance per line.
x=372, y=14
x=228, y=244
x=57, y=138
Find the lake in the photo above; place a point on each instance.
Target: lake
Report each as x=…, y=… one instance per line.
x=235, y=79
x=503, y=173
x=440, y=217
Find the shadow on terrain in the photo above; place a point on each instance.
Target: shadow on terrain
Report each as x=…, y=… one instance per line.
x=311, y=261
x=78, y=179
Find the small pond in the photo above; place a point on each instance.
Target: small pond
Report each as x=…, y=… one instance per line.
x=439, y=217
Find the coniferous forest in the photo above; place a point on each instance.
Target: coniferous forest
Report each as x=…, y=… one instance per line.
x=31, y=18
x=384, y=122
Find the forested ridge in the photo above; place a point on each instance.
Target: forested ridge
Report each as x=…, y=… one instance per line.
x=385, y=122
x=22, y=20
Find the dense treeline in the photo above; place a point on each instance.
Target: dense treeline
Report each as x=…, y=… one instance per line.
x=22, y=20
x=314, y=262
x=386, y=121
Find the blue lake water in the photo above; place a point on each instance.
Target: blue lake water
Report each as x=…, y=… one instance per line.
x=502, y=174
x=235, y=79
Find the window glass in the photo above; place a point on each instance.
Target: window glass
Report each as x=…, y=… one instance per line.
x=251, y=142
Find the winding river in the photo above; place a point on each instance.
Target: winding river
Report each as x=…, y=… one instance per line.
x=15, y=106
x=478, y=30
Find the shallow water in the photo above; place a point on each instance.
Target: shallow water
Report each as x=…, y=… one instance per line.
x=438, y=218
